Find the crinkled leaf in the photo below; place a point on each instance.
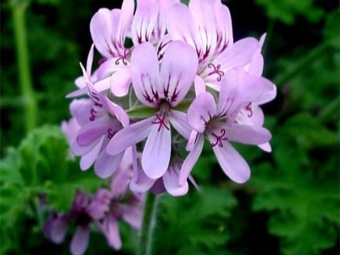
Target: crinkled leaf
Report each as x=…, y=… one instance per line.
x=305, y=210
x=200, y=217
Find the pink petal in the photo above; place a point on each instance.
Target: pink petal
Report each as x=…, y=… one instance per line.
x=110, y=66
x=180, y=25
x=203, y=16
x=59, y=229
x=231, y=162
x=266, y=147
x=172, y=184
x=120, y=82
x=179, y=121
x=179, y=67
x=121, y=179
x=140, y=182
x=202, y=109
x=82, y=150
x=224, y=26
x=132, y=215
x=102, y=28
x=252, y=116
x=145, y=21
x=78, y=92
x=145, y=74
x=125, y=20
x=95, y=129
x=111, y=232
x=106, y=164
x=80, y=110
x=268, y=93
x=237, y=89
x=129, y=136
x=89, y=61
x=247, y=134
x=88, y=159
x=235, y=55
x=199, y=85
x=80, y=240
x=191, y=159
x=156, y=153
x=256, y=64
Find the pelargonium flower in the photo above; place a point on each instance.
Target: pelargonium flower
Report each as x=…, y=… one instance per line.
x=217, y=123
x=169, y=182
x=206, y=26
x=108, y=207
x=99, y=122
x=161, y=90
x=109, y=31
x=55, y=227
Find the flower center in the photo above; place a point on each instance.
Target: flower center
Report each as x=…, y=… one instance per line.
x=216, y=71
x=161, y=121
x=249, y=109
x=219, y=138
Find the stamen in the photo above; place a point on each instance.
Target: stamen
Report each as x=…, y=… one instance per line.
x=216, y=71
x=161, y=121
x=110, y=133
x=93, y=114
x=219, y=138
x=123, y=58
x=249, y=109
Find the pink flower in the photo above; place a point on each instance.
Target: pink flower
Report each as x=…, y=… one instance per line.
x=206, y=26
x=218, y=123
x=161, y=90
x=108, y=207
x=70, y=129
x=99, y=119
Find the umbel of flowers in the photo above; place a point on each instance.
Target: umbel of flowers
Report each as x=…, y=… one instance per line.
x=170, y=78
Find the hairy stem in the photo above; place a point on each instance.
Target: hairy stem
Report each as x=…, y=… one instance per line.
x=27, y=92
x=148, y=225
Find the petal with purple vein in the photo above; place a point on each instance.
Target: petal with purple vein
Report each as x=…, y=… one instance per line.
x=156, y=153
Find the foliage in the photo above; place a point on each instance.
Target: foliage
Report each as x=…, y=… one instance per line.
x=38, y=167
x=287, y=10
x=293, y=196
x=196, y=223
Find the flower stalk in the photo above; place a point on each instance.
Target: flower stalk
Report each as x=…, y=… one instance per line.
x=148, y=225
x=27, y=92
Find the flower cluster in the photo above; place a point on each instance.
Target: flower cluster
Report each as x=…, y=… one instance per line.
x=104, y=210
x=169, y=76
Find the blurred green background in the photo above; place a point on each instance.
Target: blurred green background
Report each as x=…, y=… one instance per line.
x=291, y=205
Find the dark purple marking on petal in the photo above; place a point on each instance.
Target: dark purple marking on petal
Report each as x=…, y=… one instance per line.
x=216, y=71
x=96, y=99
x=219, y=138
x=149, y=98
x=161, y=121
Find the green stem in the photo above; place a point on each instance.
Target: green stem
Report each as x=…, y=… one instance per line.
x=148, y=225
x=30, y=108
x=300, y=65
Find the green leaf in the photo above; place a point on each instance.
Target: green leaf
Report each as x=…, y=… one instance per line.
x=197, y=220
x=287, y=10
x=302, y=206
